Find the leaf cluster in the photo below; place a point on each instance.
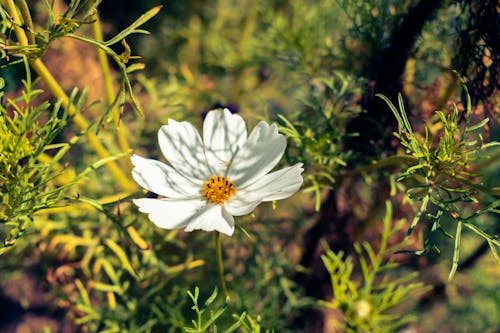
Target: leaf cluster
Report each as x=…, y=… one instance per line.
x=78, y=14
x=205, y=318
x=441, y=174
x=115, y=275
x=368, y=26
x=317, y=131
x=27, y=132
x=116, y=272
x=303, y=36
x=365, y=305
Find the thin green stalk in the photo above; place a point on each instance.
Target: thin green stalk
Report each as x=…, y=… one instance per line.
x=486, y=163
x=392, y=160
x=477, y=187
x=81, y=123
x=108, y=84
x=456, y=251
x=220, y=264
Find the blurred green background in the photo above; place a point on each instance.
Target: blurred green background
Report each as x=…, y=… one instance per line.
x=273, y=60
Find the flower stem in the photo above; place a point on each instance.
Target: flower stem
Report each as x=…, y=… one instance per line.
x=220, y=265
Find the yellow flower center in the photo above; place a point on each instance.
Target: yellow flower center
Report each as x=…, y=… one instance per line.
x=218, y=189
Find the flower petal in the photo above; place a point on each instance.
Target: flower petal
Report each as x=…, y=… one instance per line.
x=193, y=214
x=162, y=179
x=181, y=144
x=258, y=156
x=214, y=217
x=171, y=213
x=277, y=185
x=223, y=135
x=239, y=206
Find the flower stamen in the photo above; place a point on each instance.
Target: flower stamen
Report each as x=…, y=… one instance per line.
x=218, y=189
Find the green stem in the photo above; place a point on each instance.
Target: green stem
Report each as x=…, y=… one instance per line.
x=392, y=160
x=81, y=123
x=108, y=84
x=477, y=187
x=12, y=10
x=25, y=13
x=486, y=163
x=220, y=264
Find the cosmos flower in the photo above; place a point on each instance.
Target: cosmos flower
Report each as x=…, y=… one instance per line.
x=211, y=179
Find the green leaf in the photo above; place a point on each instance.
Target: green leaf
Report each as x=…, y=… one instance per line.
x=237, y=324
x=210, y=300
x=477, y=126
x=120, y=253
x=456, y=251
x=133, y=27
x=214, y=316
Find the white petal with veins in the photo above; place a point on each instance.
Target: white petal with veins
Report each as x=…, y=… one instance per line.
x=181, y=144
x=171, y=213
x=223, y=135
x=258, y=156
x=214, y=217
x=276, y=185
x=162, y=179
x=238, y=206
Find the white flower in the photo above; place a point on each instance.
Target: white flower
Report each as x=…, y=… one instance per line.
x=210, y=180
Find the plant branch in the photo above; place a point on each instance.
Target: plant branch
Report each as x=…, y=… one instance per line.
x=392, y=160
x=25, y=13
x=59, y=94
x=80, y=122
x=108, y=85
x=477, y=187
x=220, y=264
x=12, y=10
